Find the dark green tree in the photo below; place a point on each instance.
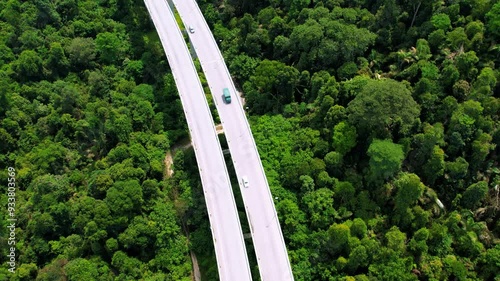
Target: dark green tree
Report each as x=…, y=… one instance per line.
x=110, y=47
x=29, y=65
x=382, y=108
x=474, y=195
x=319, y=204
x=386, y=158
x=344, y=137
x=81, y=52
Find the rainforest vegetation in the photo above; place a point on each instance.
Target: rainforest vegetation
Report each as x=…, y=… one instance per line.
x=377, y=122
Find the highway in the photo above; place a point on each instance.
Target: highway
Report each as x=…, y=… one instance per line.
x=270, y=249
x=232, y=258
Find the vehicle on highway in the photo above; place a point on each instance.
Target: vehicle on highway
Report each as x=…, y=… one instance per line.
x=191, y=29
x=244, y=181
x=226, y=95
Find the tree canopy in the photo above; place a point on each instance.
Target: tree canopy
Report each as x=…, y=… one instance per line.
x=377, y=123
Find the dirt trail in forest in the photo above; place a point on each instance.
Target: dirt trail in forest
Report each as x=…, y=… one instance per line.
x=169, y=156
x=169, y=171
x=196, y=268
x=168, y=164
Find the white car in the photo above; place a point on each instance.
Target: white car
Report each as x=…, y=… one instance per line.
x=244, y=181
x=191, y=29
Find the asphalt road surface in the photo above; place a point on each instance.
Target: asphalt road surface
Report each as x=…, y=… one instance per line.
x=272, y=256
x=232, y=259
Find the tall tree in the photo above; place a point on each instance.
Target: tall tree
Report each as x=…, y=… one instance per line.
x=386, y=158
x=383, y=108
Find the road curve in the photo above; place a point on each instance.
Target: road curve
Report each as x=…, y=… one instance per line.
x=232, y=259
x=270, y=249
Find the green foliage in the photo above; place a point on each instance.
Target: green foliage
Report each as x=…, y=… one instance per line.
x=396, y=240
x=437, y=38
x=409, y=189
x=418, y=243
x=344, y=137
x=333, y=161
x=481, y=147
x=464, y=119
x=88, y=109
x=455, y=267
x=81, y=269
x=319, y=204
x=458, y=168
x=52, y=271
x=57, y=60
x=422, y=144
x=81, y=52
x=317, y=41
x=490, y=261
x=493, y=20
x=295, y=165
x=359, y=228
x=385, y=158
x=358, y=258
x=292, y=220
x=111, y=245
x=382, y=108
x=243, y=66
x=474, y=194
x=338, y=235
x=485, y=83
x=466, y=63
x=307, y=184
x=441, y=21
x=457, y=38
x=124, y=198
x=29, y=65
x=423, y=50
x=435, y=166
x=271, y=86
x=347, y=71
x=306, y=36
x=345, y=191
x=450, y=74
x=130, y=267
x=49, y=157
x=110, y=47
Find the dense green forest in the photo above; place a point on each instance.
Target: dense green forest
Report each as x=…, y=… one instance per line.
x=378, y=124
x=88, y=110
